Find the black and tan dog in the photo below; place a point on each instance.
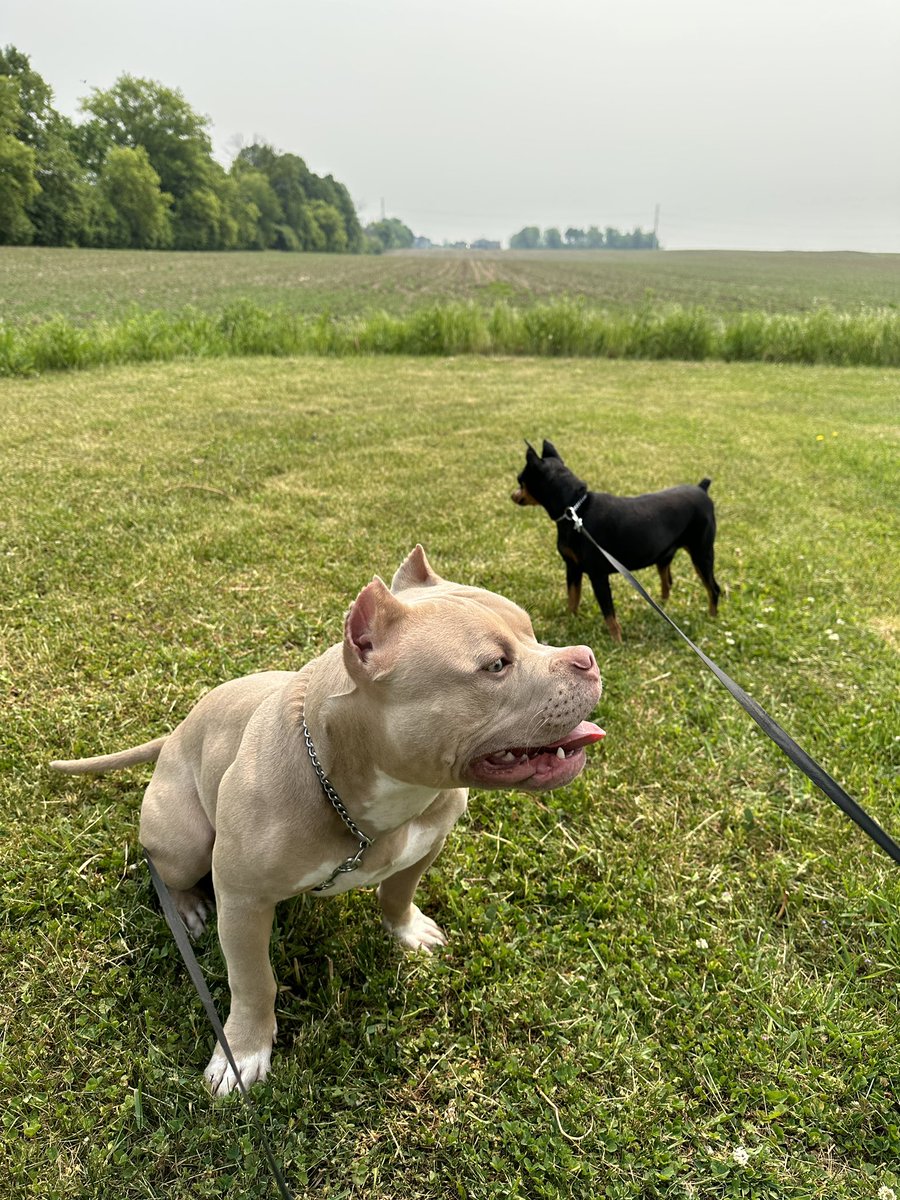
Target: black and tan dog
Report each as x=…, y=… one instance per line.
x=640, y=531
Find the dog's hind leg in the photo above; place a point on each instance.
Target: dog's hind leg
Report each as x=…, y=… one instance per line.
x=178, y=837
x=703, y=558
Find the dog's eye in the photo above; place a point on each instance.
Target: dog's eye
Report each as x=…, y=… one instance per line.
x=496, y=666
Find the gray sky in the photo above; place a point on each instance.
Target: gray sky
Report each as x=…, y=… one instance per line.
x=764, y=124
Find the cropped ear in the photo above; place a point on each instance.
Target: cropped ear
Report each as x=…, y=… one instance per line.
x=414, y=571
x=367, y=631
x=550, y=450
x=531, y=455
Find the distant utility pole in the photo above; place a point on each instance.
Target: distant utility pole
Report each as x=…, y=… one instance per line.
x=382, y=208
x=656, y=228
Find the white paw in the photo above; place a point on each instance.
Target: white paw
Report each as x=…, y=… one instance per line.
x=193, y=908
x=418, y=933
x=253, y=1068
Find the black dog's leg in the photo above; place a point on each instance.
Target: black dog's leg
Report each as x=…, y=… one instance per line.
x=574, y=574
x=665, y=578
x=603, y=592
x=703, y=558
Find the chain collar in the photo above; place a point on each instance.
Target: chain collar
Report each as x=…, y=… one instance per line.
x=349, y=864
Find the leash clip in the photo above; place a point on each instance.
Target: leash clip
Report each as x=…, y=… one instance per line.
x=572, y=514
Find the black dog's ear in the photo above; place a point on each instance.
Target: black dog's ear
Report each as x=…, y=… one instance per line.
x=531, y=452
x=550, y=450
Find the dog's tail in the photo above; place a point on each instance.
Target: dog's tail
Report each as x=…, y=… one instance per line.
x=148, y=752
x=704, y=483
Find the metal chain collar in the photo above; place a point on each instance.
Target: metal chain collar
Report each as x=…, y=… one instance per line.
x=352, y=863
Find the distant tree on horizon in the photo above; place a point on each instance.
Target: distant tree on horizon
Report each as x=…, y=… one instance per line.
x=390, y=234
x=531, y=238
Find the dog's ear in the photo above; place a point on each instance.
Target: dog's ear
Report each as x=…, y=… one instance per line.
x=549, y=450
x=415, y=571
x=531, y=455
x=367, y=631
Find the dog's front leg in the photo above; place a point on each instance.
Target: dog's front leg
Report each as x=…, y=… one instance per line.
x=603, y=592
x=403, y=919
x=574, y=575
x=245, y=926
x=400, y=917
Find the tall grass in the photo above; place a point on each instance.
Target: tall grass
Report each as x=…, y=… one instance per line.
x=870, y=337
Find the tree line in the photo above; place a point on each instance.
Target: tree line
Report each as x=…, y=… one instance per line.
x=139, y=172
x=594, y=238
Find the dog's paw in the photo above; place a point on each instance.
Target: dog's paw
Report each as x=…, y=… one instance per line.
x=418, y=933
x=193, y=908
x=253, y=1068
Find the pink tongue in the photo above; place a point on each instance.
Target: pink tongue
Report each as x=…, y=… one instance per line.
x=582, y=735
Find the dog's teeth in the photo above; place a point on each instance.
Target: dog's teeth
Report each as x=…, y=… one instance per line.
x=508, y=757
x=560, y=753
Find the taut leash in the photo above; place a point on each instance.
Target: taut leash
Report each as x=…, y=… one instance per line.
x=767, y=724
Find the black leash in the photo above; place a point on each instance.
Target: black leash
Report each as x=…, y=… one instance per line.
x=184, y=945
x=767, y=724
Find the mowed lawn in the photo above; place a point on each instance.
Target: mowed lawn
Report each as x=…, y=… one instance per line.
x=87, y=285
x=676, y=977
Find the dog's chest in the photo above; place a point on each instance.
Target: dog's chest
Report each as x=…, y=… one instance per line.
x=393, y=852
x=401, y=820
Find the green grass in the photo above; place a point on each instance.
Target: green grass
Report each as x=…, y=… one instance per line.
x=687, y=951
x=562, y=328
x=87, y=285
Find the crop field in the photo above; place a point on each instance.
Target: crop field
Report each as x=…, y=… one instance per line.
x=85, y=285
x=677, y=977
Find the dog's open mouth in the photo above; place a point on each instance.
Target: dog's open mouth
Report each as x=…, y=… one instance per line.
x=537, y=768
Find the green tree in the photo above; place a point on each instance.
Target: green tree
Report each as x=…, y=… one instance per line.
x=528, y=238
x=133, y=210
x=575, y=238
x=144, y=114
x=391, y=233
x=59, y=211
x=18, y=184
x=209, y=217
x=552, y=239
x=259, y=209
x=345, y=206
x=594, y=238
x=330, y=221
x=289, y=178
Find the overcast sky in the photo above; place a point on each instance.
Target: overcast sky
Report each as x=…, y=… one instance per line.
x=764, y=124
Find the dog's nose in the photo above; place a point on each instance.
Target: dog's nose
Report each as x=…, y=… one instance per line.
x=582, y=659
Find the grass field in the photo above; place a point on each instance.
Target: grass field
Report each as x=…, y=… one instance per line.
x=677, y=977
x=88, y=284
